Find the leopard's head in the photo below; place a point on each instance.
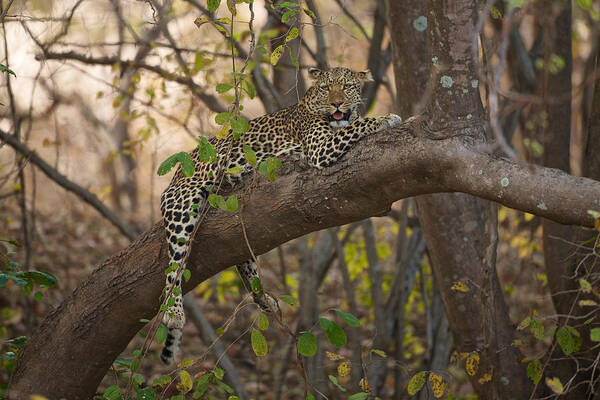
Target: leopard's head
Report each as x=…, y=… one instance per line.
x=336, y=94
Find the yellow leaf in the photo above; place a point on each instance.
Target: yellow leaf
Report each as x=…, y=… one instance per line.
x=344, y=369
x=333, y=356
x=364, y=385
x=585, y=286
x=276, y=54
x=460, y=287
x=587, y=303
x=472, y=364
x=223, y=132
x=185, y=382
x=416, y=382
x=485, y=378
x=37, y=397
x=555, y=385
x=437, y=384
x=380, y=353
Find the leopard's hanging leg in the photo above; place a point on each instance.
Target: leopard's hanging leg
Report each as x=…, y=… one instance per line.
x=248, y=271
x=181, y=207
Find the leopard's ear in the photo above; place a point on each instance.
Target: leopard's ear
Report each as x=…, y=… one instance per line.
x=314, y=73
x=365, y=76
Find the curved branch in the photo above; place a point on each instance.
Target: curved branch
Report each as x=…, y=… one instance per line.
x=103, y=313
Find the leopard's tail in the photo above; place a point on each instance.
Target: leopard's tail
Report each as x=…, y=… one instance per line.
x=172, y=343
x=180, y=219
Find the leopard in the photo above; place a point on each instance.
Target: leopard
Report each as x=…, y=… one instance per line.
x=320, y=128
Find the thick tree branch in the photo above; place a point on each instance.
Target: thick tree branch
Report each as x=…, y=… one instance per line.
x=103, y=313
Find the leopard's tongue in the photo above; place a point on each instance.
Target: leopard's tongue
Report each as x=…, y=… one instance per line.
x=338, y=115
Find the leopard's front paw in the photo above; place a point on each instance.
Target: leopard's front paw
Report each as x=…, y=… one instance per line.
x=393, y=120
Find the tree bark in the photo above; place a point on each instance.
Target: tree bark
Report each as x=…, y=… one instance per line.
x=103, y=313
x=454, y=225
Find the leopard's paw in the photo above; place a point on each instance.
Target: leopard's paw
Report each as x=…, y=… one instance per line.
x=393, y=120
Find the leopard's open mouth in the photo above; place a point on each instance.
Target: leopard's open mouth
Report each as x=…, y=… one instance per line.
x=340, y=116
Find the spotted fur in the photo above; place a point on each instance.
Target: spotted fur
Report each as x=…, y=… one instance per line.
x=321, y=127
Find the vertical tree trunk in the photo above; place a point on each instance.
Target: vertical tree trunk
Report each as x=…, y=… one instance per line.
x=454, y=224
x=565, y=263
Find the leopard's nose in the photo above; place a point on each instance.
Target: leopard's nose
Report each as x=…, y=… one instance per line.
x=336, y=104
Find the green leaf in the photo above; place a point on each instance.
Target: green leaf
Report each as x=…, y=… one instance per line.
x=37, y=296
x=19, y=340
x=309, y=396
x=595, y=334
x=348, y=318
x=256, y=286
x=219, y=373
x=269, y=167
x=161, y=334
x=222, y=118
x=335, y=334
x=234, y=170
x=294, y=59
x=239, y=124
x=534, y=371
x=291, y=300
x=276, y=54
x=263, y=322
x=4, y=68
x=41, y=278
x=231, y=204
x=249, y=88
x=187, y=274
x=187, y=164
x=537, y=328
x=212, y=5
x=416, y=383
x=206, y=151
x=202, y=386
x=215, y=200
x=171, y=301
x=225, y=387
x=565, y=340
x=334, y=380
x=292, y=34
x=287, y=15
x=288, y=4
x=259, y=344
x=307, y=344
x=358, y=396
x=250, y=155
x=224, y=87
x=112, y=393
